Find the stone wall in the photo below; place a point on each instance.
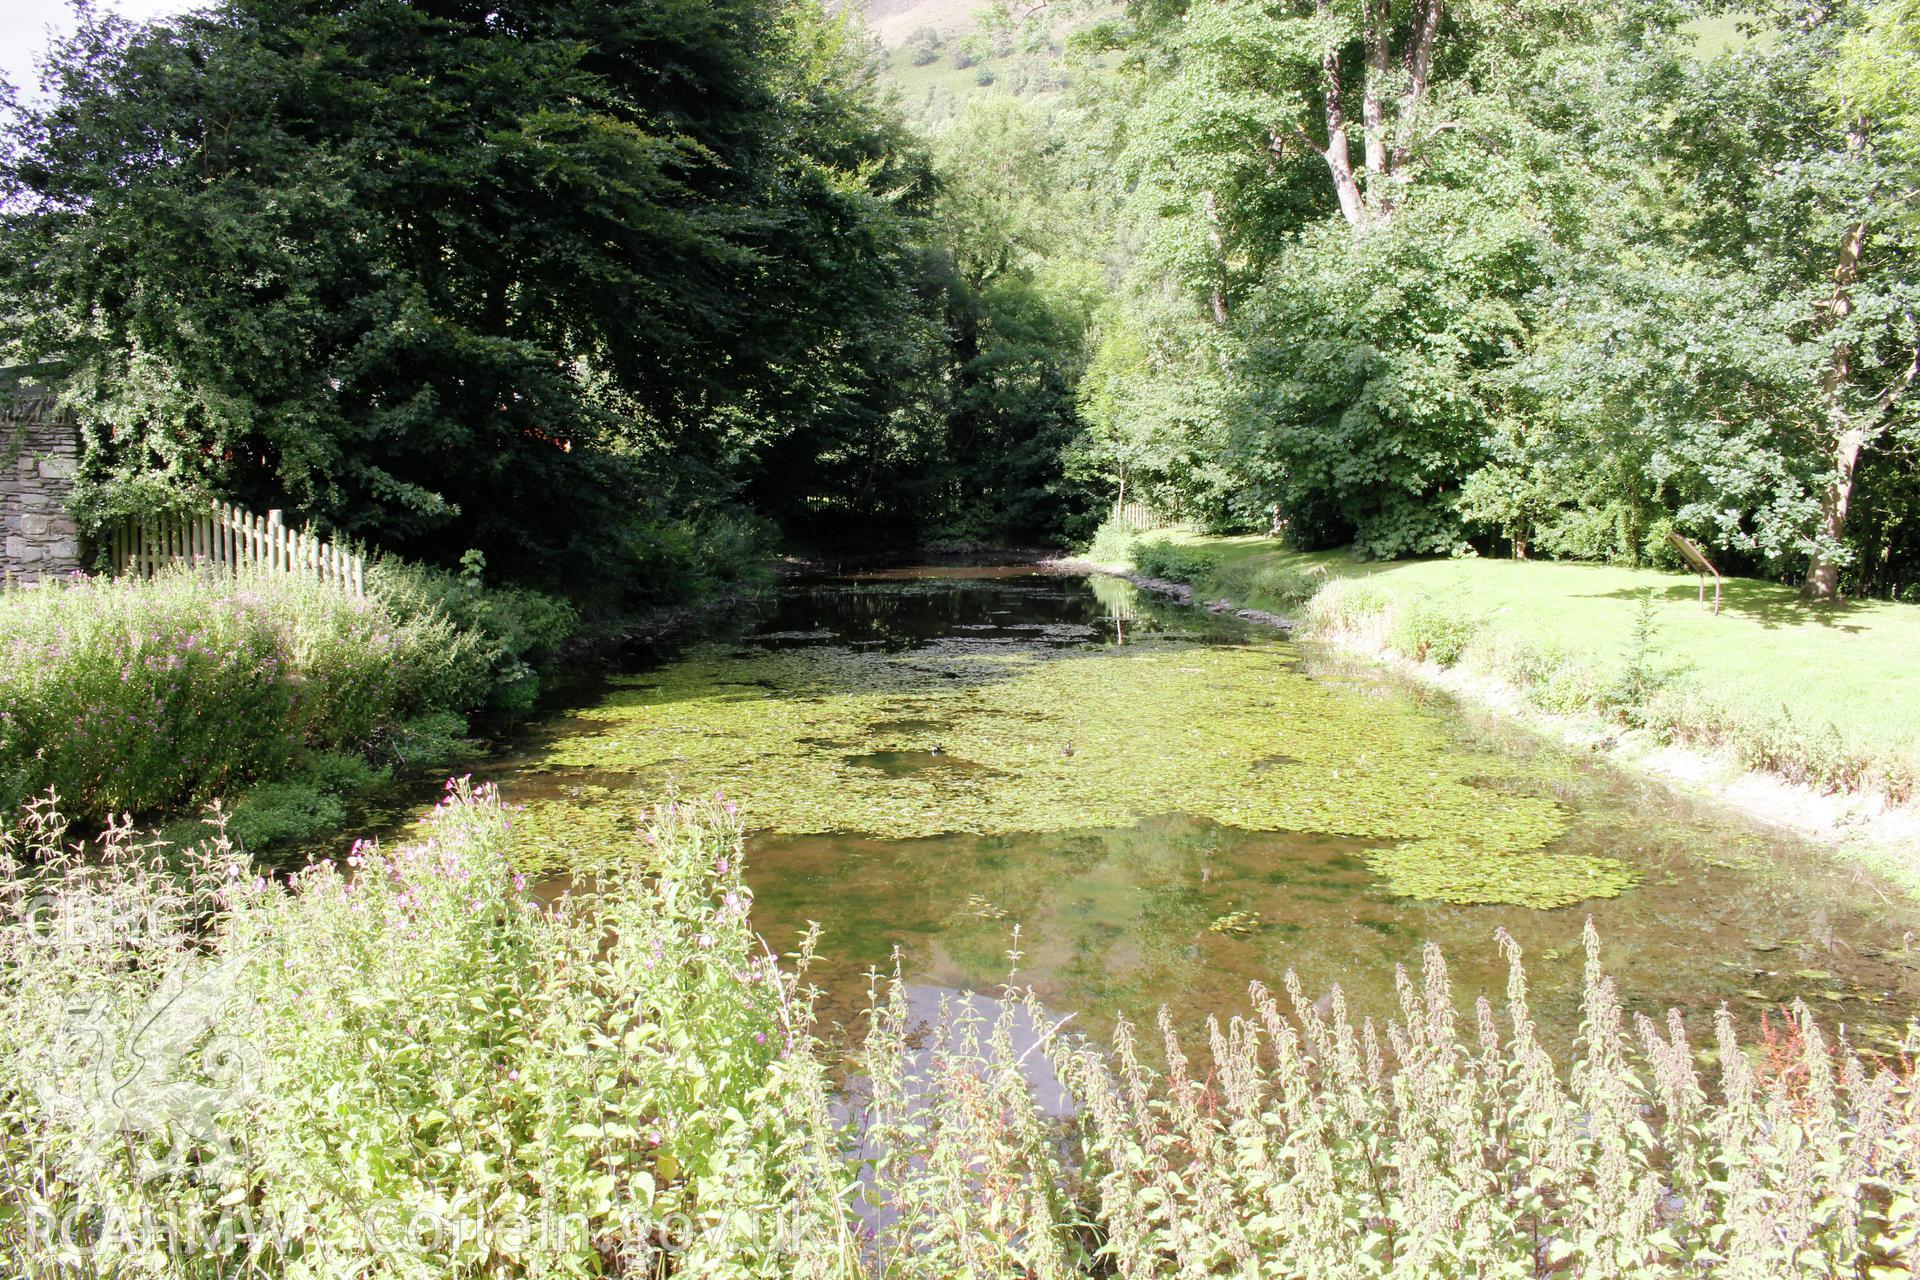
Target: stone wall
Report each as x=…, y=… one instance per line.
x=39, y=454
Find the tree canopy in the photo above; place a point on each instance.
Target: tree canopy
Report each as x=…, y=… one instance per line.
x=570, y=283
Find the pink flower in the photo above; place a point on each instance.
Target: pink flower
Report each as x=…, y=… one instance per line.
x=705, y=940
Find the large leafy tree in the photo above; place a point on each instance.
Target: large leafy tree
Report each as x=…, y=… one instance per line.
x=451, y=274
x=1425, y=278
x=1359, y=198
x=1740, y=322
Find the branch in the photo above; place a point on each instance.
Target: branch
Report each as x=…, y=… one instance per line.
x=1419, y=65
x=1301, y=136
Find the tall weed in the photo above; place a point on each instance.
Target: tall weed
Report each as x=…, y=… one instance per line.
x=1113, y=542
x=1430, y=631
x=411, y=1067
x=142, y=696
x=496, y=639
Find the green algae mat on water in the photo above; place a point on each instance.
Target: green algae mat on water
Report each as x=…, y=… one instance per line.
x=986, y=737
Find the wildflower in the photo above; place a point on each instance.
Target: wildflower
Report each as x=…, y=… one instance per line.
x=705, y=941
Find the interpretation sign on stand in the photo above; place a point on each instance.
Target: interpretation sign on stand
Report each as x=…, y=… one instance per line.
x=1702, y=566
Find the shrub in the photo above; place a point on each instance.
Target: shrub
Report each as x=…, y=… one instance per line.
x=126, y=696
x=529, y=1091
x=433, y=741
x=673, y=562
x=276, y=814
x=1113, y=542
x=310, y=803
x=924, y=46
x=1428, y=631
x=1280, y=587
x=1170, y=562
x=1552, y=681
x=498, y=638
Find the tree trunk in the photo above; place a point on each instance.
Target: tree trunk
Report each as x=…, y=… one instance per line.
x=1215, y=239
x=1339, y=157
x=1377, y=15
x=1823, y=575
x=1847, y=435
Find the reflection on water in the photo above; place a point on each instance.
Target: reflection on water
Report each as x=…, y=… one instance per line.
x=1174, y=909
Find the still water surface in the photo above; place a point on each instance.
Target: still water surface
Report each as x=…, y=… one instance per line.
x=920, y=745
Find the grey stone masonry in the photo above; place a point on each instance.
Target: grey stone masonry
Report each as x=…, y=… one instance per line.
x=39, y=456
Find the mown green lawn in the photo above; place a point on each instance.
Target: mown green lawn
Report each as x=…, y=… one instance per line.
x=1856, y=666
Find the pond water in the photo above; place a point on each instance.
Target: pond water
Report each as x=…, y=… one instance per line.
x=1170, y=804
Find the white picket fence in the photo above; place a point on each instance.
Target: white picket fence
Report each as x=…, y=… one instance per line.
x=226, y=535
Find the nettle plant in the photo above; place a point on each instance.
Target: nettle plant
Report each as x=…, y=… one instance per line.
x=413, y=1065
x=405, y=1066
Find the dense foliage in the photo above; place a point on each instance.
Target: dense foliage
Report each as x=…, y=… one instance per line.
x=548, y=281
x=419, y=1070
x=574, y=286
x=140, y=697
x=582, y=286
x=1433, y=278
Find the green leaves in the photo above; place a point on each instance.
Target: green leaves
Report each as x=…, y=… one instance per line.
x=415, y=273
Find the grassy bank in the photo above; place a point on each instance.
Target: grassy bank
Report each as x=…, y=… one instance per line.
x=1823, y=695
x=416, y=1069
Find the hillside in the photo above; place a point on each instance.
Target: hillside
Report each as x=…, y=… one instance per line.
x=937, y=58
x=894, y=20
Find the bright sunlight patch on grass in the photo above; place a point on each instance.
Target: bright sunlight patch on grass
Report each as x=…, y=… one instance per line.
x=1855, y=666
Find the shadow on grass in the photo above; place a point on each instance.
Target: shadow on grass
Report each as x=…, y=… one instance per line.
x=1770, y=604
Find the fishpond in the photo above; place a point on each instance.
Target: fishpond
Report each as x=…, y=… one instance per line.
x=1169, y=804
